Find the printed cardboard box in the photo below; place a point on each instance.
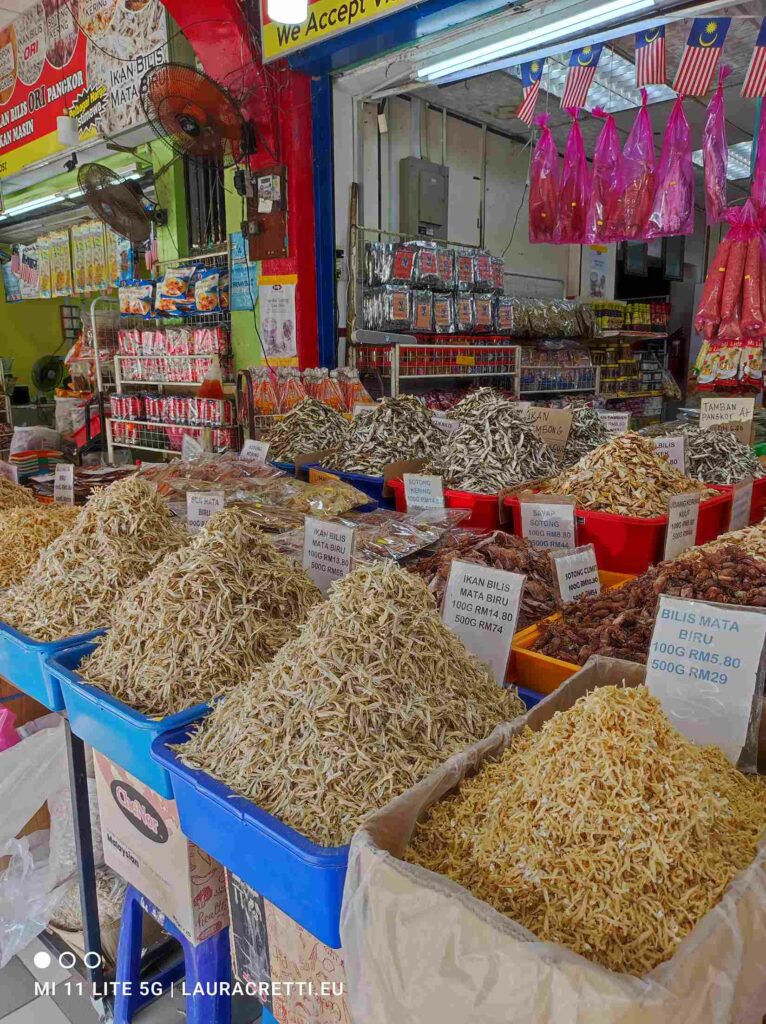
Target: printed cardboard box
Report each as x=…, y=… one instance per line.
x=144, y=843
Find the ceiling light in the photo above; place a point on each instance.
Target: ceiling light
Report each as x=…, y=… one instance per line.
x=288, y=12
x=522, y=41
x=738, y=167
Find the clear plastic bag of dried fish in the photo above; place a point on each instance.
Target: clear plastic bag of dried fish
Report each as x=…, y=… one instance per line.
x=311, y=426
x=203, y=620
x=373, y=693
x=122, y=532
x=396, y=430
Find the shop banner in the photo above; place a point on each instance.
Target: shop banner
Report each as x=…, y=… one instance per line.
x=86, y=59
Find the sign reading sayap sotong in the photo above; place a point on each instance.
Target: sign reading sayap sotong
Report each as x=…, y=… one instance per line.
x=90, y=67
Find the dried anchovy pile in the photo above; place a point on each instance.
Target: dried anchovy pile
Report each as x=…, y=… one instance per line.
x=119, y=536
x=203, y=620
x=13, y=496
x=480, y=402
x=496, y=449
x=398, y=429
x=500, y=551
x=751, y=540
x=25, y=531
x=607, y=830
x=719, y=457
x=626, y=476
x=618, y=623
x=665, y=428
x=588, y=432
x=373, y=693
x=309, y=427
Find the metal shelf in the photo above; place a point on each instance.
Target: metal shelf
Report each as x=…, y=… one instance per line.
x=145, y=435
x=441, y=376
x=557, y=391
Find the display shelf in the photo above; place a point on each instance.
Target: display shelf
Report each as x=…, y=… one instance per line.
x=631, y=394
x=122, y=381
x=634, y=335
x=164, y=438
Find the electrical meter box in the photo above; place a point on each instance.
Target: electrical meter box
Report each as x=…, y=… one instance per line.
x=423, y=196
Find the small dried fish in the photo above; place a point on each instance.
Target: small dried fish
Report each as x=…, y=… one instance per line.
x=25, y=531
x=398, y=429
x=719, y=457
x=13, y=496
x=309, y=427
x=480, y=402
x=751, y=540
x=588, y=432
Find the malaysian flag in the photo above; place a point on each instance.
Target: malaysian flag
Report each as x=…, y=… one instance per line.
x=650, y=57
x=582, y=71
x=531, y=72
x=701, y=56
x=755, y=79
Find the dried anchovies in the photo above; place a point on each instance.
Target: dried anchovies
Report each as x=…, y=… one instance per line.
x=398, y=429
x=309, y=427
x=751, y=540
x=373, y=693
x=719, y=457
x=480, y=402
x=13, y=496
x=25, y=531
x=588, y=432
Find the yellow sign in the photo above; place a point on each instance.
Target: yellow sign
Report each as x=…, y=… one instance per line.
x=466, y=360
x=317, y=475
x=326, y=18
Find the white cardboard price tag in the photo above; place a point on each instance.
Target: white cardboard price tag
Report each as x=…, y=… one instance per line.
x=548, y=524
x=443, y=422
x=423, y=491
x=683, y=513
x=615, y=422
x=63, y=484
x=577, y=573
x=327, y=551
x=200, y=506
x=9, y=471
x=674, y=450
x=741, y=500
x=481, y=605
x=734, y=414
x=191, y=448
x=703, y=668
x=362, y=408
x=258, y=451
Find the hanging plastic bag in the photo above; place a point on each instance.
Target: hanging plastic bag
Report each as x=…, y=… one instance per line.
x=741, y=295
x=544, y=181
x=708, y=313
x=640, y=171
x=673, y=210
x=574, y=194
x=758, y=190
x=608, y=190
x=715, y=153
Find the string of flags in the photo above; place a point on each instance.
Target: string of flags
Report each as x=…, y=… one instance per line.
x=694, y=76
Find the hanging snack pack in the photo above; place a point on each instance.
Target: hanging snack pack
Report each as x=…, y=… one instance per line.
x=206, y=294
x=605, y=213
x=483, y=275
x=465, y=270
x=426, y=265
x=445, y=265
x=136, y=298
x=173, y=290
x=640, y=175
x=498, y=275
x=444, y=313
x=673, y=209
x=422, y=312
x=715, y=153
x=574, y=195
x=544, y=185
x=483, y=305
x=465, y=314
x=403, y=264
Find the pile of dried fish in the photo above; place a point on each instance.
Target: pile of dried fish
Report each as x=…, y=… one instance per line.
x=719, y=457
x=13, y=496
x=372, y=694
x=666, y=427
x=25, y=531
x=206, y=618
x=496, y=449
x=626, y=476
x=500, y=551
x=397, y=429
x=479, y=402
x=588, y=432
x=119, y=536
x=607, y=831
x=309, y=427
x=751, y=540
x=619, y=622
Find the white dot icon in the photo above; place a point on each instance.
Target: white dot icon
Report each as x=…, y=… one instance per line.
x=42, y=959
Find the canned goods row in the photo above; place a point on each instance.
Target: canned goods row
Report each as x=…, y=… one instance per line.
x=179, y=370
x=188, y=409
x=174, y=341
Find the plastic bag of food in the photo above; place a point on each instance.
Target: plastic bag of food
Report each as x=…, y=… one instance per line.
x=265, y=398
x=709, y=310
x=640, y=174
x=290, y=389
x=715, y=152
x=607, y=194
x=422, y=312
x=744, y=230
x=751, y=365
x=173, y=290
x=752, y=313
x=206, y=291
x=544, y=183
x=673, y=209
x=136, y=298
x=574, y=194
x=329, y=391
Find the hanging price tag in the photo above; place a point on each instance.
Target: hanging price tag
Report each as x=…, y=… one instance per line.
x=674, y=450
x=683, y=513
x=422, y=491
x=553, y=425
x=703, y=667
x=257, y=451
x=9, y=471
x=481, y=605
x=577, y=574
x=191, y=448
x=63, y=484
x=548, y=522
x=327, y=551
x=200, y=506
x=615, y=422
x=741, y=502
x=734, y=414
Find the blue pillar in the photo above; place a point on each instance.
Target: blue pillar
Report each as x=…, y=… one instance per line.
x=324, y=215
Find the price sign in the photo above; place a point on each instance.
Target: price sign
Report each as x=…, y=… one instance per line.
x=577, y=573
x=443, y=422
x=327, y=551
x=734, y=414
x=257, y=451
x=548, y=523
x=422, y=491
x=741, y=502
x=9, y=471
x=615, y=422
x=63, y=484
x=703, y=668
x=200, y=506
x=683, y=513
x=361, y=408
x=191, y=448
x=674, y=450
x=553, y=425
x=481, y=605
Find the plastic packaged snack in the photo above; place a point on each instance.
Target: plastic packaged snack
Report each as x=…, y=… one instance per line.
x=265, y=399
x=136, y=298
x=483, y=305
x=465, y=270
x=574, y=194
x=498, y=275
x=673, y=209
x=544, y=184
x=445, y=265
x=422, y=312
x=426, y=265
x=605, y=213
x=715, y=152
x=444, y=313
x=403, y=265
x=465, y=314
x=206, y=291
x=223, y=289
x=329, y=390
x=173, y=291
x=709, y=310
x=640, y=174
x=483, y=279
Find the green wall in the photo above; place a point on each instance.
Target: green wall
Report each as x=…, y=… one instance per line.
x=29, y=330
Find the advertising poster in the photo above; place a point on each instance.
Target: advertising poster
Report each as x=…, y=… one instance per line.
x=276, y=301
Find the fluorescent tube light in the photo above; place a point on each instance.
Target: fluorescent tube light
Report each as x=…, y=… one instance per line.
x=520, y=42
x=738, y=166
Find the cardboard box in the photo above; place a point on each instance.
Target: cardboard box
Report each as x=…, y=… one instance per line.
x=144, y=843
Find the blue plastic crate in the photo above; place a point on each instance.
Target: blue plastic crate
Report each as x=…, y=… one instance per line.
x=530, y=697
x=301, y=878
x=286, y=467
x=371, y=485
x=24, y=663
x=116, y=730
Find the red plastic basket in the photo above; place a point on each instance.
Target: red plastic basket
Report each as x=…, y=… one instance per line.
x=485, y=508
x=757, y=505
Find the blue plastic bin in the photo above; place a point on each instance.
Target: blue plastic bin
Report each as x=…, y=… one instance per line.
x=303, y=879
x=371, y=485
x=530, y=697
x=286, y=467
x=24, y=663
x=114, y=729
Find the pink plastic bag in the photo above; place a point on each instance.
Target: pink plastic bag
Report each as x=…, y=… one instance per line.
x=715, y=153
x=758, y=190
x=640, y=175
x=673, y=209
x=544, y=180
x=574, y=195
x=608, y=191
